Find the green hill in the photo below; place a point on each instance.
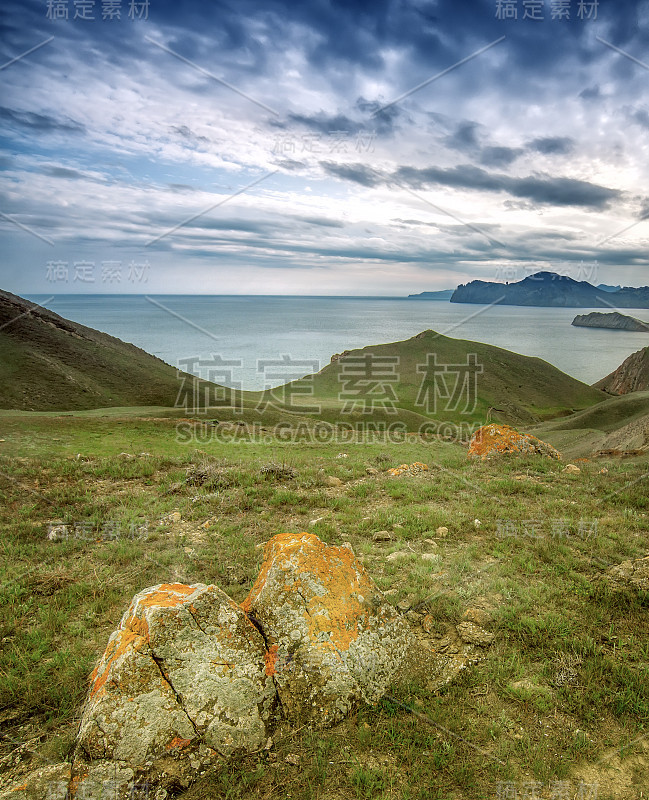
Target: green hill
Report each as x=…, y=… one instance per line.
x=50, y=363
x=386, y=378
x=619, y=425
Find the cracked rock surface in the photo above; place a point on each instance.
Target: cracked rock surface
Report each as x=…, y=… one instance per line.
x=183, y=676
x=332, y=639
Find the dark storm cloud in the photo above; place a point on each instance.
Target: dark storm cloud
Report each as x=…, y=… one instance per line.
x=552, y=145
x=321, y=221
x=39, y=123
x=464, y=138
x=498, y=156
x=370, y=118
x=356, y=173
x=638, y=115
x=187, y=133
x=591, y=93
x=543, y=189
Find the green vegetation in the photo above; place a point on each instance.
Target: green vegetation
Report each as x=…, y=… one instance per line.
x=47, y=362
x=562, y=694
x=516, y=388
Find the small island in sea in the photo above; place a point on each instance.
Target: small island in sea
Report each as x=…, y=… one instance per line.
x=613, y=321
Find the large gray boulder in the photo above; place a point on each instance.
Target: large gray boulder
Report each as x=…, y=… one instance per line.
x=332, y=639
x=182, y=676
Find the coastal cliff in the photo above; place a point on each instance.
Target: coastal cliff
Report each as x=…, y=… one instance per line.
x=631, y=376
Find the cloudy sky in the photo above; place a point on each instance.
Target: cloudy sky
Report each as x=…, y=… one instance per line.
x=321, y=147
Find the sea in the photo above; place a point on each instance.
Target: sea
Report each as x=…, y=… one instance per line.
x=257, y=342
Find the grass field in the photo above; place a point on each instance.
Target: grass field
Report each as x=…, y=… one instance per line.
x=559, y=699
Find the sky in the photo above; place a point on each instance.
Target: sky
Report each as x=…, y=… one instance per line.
x=321, y=148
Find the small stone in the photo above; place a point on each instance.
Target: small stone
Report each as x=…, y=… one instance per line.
x=431, y=543
x=471, y=633
x=571, y=469
x=397, y=525
x=331, y=480
x=369, y=470
x=442, y=530
x=397, y=555
x=58, y=533
x=404, y=605
x=174, y=517
x=476, y=523
x=428, y=623
x=477, y=615
x=431, y=557
x=603, y=471
x=206, y=524
x=382, y=536
x=341, y=455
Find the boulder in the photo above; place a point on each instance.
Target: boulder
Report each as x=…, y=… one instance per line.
x=332, y=639
x=495, y=439
x=183, y=676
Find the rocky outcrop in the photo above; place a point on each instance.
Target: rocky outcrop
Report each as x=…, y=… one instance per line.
x=631, y=376
x=494, y=440
x=614, y=321
x=189, y=677
x=550, y=289
x=332, y=639
x=337, y=356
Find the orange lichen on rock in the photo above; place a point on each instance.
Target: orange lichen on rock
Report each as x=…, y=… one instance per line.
x=331, y=637
x=495, y=439
x=335, y=607
x=271, y=659
x=408, y=469
x=177, y=743
x=168, y=594
x=123, y=641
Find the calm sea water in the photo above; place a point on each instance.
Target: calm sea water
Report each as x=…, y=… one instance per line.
x=251, y=329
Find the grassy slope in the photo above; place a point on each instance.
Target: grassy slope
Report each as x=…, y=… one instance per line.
x=47, y=362
x=587, y=431
x=525, y=388
x=60, y=600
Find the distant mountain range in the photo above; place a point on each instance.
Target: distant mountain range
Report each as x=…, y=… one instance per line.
x=550, y=289
x=444, y=294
